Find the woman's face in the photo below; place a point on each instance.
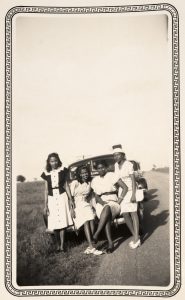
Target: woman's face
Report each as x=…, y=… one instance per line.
x=101, y=169
x=84, y=175
x=53, y=162
x=118, y=157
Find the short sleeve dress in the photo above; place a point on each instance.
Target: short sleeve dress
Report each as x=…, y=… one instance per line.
x=124, y=173
x=106, y=189
x=58, y=204
x=83, y=209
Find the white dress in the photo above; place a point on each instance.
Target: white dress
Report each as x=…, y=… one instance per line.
x=124, y=173
x=58, y=205
x=83, y=209
x=106, y=184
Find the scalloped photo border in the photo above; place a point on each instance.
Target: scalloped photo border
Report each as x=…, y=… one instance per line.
x=138, y=292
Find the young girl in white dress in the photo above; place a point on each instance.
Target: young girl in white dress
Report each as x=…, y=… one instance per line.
x=84, y=215
x=59, y=205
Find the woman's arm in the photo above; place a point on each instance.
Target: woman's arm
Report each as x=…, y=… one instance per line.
x=99, y=199
x=71, y=200
x=133, y=198
x=124, y=190
x=89, y=196
x=46, y=210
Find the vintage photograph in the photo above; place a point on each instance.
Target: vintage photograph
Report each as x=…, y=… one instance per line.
x=93, y=149
x=92, y=121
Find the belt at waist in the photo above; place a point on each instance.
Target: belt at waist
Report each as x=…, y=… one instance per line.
x=54, y=188
x=109, y=193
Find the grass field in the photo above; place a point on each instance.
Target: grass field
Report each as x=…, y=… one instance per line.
x=37, y=262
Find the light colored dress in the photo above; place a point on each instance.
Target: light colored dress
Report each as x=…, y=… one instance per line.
x=124, y=173
x=83, y=209
x=106, y=184
x=59, y=213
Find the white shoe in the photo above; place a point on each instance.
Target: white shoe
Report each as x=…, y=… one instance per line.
x=93, y=251
x=97, y=252
x=87, y=251
x=135, y=245
x=131, y=242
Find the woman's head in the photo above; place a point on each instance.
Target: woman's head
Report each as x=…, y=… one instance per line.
x=53, y=162
x=118, y=153
x=101, y=167
x=83, y=174
x=119, y=156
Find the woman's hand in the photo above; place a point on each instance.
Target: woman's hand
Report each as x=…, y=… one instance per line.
x=72, y=204
x=72, y=209
x=120, y=199
x=99, y=200
x=46, y=211
x=133, y=199
x=73, y=215
x=103, y=203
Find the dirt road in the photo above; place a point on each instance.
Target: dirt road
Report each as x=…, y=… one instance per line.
x=150, y=264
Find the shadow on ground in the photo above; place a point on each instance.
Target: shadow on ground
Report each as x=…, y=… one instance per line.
x=148, y=224
x=152, y=221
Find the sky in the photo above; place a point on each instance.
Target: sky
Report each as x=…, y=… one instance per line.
x=84, y=83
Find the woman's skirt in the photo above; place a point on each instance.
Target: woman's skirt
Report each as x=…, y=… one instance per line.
x=114, y=206
x=83, y=212
x=59, y=212
x=126, y=205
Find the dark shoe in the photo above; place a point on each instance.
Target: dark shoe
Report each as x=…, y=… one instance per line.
x=60, y=250
x=110, y=250
x=95, y=240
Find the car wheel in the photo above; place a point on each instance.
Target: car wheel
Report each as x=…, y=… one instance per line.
x=143, y=184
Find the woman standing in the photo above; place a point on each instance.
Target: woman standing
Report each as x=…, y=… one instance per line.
x=58, y=201
x=124, y=170
x=107, y=203
x=84, y=215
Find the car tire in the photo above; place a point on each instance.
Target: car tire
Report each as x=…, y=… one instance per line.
x=143, y=183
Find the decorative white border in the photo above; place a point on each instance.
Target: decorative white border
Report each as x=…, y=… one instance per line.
x=8, y=149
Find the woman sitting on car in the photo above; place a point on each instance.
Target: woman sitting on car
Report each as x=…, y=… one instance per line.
x=107, y=202
x=84, y=215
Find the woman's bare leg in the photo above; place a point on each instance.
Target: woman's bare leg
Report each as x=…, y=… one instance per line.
x=62, y=237
x=57, y=236
x=92, y=225
x=88, y=233
x=108, y=233
x=104, y=217
x=129, y=222
x=135, y=220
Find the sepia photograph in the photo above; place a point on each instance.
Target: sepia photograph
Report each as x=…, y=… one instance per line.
x=93, y=149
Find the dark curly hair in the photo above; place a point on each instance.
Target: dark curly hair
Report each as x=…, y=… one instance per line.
x=100, y=162
x=48, y=167
x=78, y=172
